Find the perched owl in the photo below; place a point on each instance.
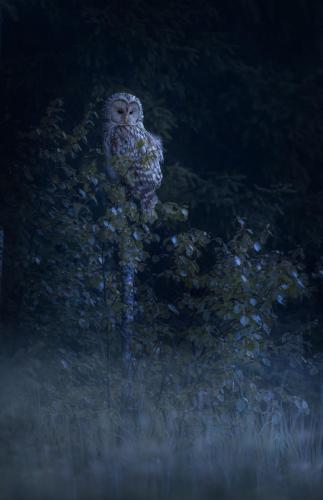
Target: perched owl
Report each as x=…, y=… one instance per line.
x=126, y=136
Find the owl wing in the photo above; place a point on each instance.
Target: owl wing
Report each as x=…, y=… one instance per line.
x=156, y=145
x=148, y=168
x=153, y=158
x=109, y=147
x=148, y=172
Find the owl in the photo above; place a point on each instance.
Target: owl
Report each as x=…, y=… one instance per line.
x=126, y=137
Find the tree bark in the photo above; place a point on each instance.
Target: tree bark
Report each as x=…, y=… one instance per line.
x=128, y=277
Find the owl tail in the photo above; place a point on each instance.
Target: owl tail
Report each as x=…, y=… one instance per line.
x=148, y=204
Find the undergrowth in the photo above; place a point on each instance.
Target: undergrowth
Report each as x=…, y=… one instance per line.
x=73, y=428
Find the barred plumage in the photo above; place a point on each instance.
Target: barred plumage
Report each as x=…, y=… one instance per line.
x=125, y=135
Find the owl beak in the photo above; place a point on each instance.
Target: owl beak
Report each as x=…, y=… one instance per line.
x=126, y=119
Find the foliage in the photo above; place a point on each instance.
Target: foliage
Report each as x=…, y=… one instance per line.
x=211, y=302
x=242, y=113
x=234, y=90
x=237, y=101
x=65, y=431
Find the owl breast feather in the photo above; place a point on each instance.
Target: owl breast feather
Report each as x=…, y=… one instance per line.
x=144, y=151
x=137, y=143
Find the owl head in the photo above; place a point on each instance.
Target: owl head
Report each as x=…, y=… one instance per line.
x=123, y=109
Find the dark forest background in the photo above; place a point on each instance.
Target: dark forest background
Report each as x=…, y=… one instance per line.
x=233, y=88
x=225, y=393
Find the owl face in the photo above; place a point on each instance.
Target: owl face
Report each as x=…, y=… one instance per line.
x=124, y=110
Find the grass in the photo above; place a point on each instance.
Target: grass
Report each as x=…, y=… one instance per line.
x=68, y=433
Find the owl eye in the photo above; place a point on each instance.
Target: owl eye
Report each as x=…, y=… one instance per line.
x=131, y=112
x=120, y=111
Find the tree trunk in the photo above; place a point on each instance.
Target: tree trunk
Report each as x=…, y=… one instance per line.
x=128, y=276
